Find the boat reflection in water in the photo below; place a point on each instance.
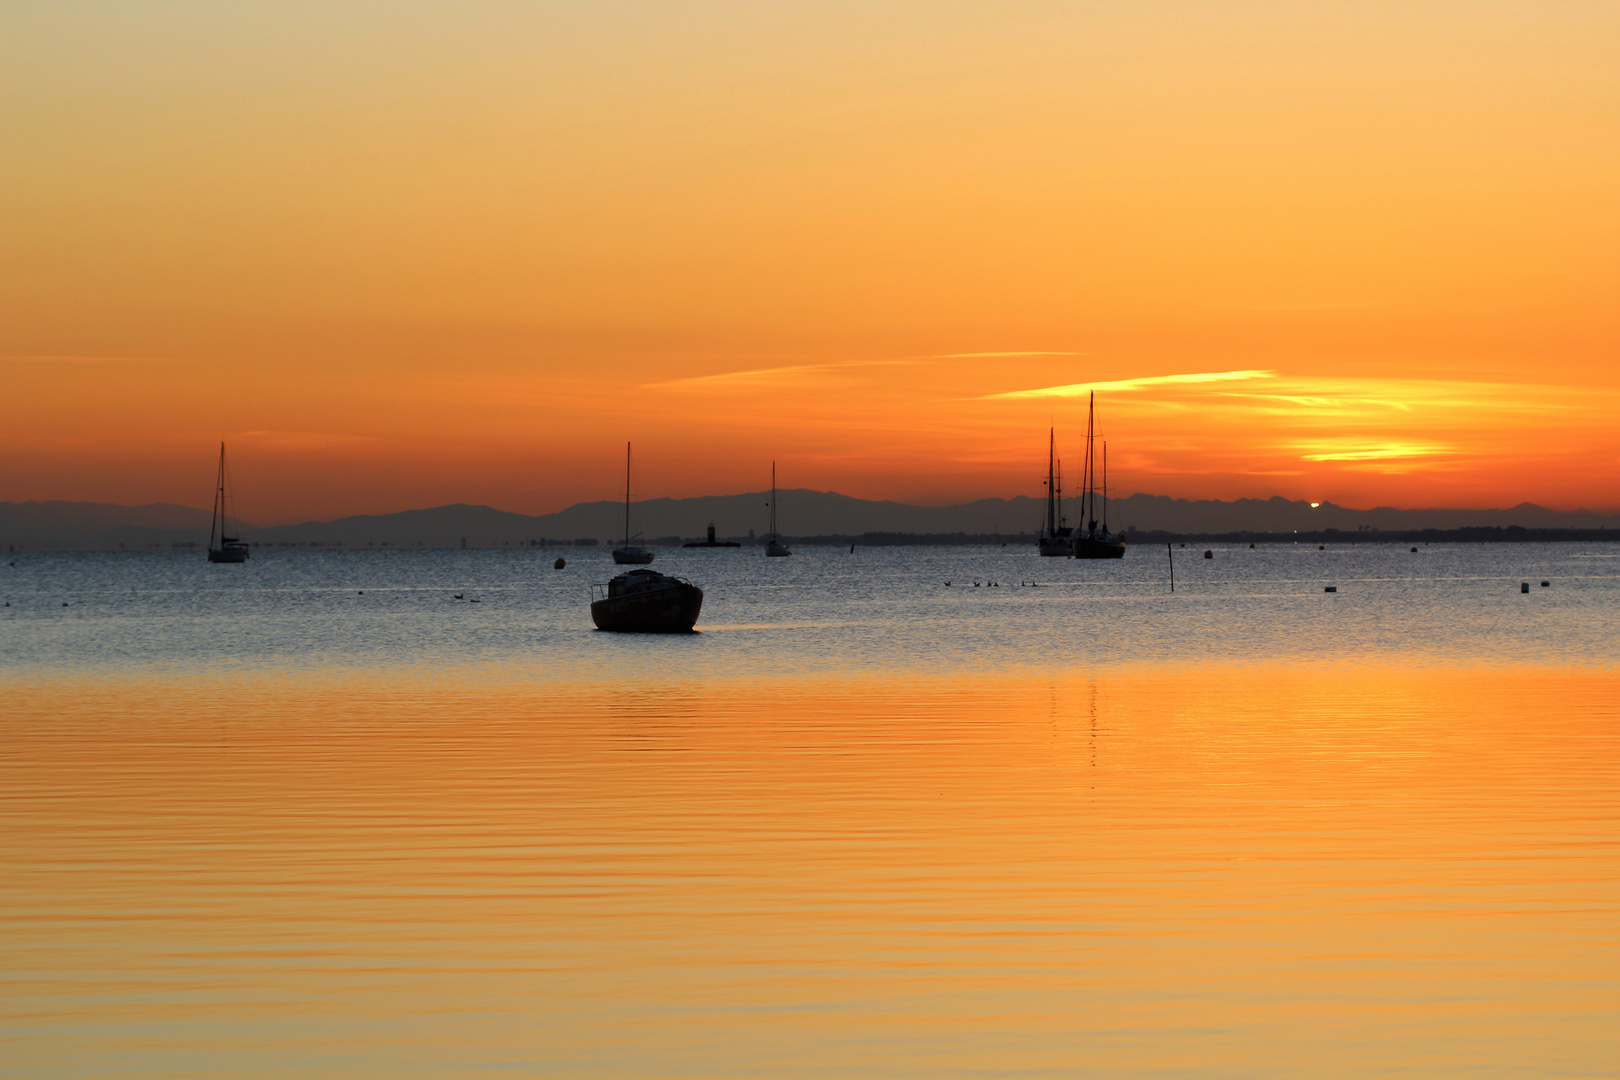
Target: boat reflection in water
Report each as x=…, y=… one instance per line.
x=646, y=602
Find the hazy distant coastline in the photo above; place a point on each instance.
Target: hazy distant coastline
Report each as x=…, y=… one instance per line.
x=809, y=517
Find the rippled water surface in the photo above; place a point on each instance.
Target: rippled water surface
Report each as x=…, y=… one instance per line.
x=315, y=817
x=942, y=610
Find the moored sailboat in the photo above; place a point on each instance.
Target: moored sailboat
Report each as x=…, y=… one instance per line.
x=1055, y=535
x=627, y=555
x=222, y=547
x=1096, y=542
x=646, y=602
x=774, y=548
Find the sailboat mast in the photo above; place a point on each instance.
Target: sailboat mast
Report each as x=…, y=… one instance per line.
x=626, y=494
x=773, y=502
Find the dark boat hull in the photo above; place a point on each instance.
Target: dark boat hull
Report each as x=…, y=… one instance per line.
x=632, y=556
x=672, y=610
x=1087, y=548
x=230, y=554
x=1055, y=545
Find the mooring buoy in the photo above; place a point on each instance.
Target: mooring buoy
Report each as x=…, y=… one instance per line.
x=1209, y=554
x=1331, y=588
x=1524, y=586
x=559, y=564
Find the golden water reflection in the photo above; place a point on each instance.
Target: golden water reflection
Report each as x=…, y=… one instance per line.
x=1265, y=871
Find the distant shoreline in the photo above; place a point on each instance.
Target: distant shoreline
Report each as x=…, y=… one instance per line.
x=1512, y=534
x=811, y=518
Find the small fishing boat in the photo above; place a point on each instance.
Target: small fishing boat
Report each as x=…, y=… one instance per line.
x=628, y=555
x=774, y=548
x=1096, y=542
x=223, y=548
x=712, y=541
x=646, y=602
x=1055, y=538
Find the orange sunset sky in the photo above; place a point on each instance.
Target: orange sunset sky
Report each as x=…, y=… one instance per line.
x=399, y=255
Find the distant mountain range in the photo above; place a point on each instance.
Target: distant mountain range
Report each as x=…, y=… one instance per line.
x=78, y=526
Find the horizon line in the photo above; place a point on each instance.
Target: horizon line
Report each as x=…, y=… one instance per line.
x=1324, y=503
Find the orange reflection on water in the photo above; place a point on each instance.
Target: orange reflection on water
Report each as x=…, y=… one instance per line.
x=1262, y=871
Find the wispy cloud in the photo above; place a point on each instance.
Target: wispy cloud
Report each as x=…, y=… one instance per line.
x=1376, y=452
x=794, y=375
x=1126, y=385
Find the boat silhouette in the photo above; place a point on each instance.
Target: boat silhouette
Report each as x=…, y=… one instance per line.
x=774, y=548
x=626, y=555
x=222, y=547
x=1056, y=537
x=1096, y=542
x=646, y=602
x=711, y=542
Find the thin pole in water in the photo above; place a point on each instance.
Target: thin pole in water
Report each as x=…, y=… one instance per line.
x=1170, y=553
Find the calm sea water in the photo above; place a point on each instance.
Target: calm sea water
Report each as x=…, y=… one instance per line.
x=878, y=610
x=313, y=816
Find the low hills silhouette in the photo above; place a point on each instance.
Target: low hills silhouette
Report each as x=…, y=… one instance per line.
x=805, y=515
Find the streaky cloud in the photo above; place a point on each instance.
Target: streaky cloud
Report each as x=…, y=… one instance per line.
x=775, y=376
x=1127, y=385
x=1381, y=452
